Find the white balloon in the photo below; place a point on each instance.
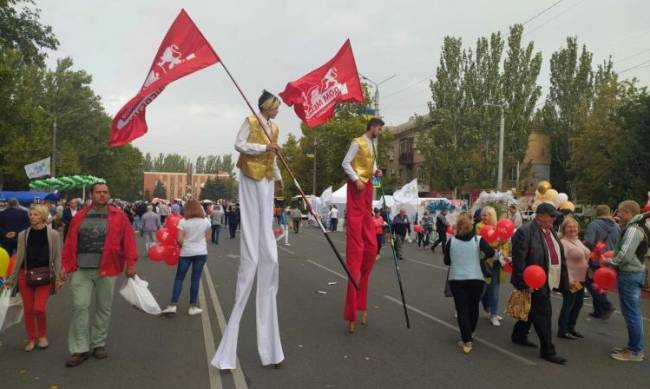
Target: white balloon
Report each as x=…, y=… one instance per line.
x=562, y=198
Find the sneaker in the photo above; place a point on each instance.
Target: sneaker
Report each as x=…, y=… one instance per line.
x=619, y=350
x=606, y=315
x=194, y=311
x=495, y=321
x=466, y=347
x=287, y=244
x=170, y=310
x=628, y=356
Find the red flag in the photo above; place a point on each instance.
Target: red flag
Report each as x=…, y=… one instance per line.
x=184, y=50
x=314, y=96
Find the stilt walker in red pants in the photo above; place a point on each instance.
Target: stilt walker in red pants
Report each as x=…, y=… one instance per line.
x=361, y=242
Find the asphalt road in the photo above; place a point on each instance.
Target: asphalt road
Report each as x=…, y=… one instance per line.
x=153, y=352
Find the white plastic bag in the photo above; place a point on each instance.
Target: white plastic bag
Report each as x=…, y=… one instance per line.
x=135, y=290
x=11, y=309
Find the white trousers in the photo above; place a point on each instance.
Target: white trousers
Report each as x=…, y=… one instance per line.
x=258, y=255
x=285, y=234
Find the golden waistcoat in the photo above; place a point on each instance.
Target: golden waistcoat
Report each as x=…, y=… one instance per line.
x=258, y=166
x=363, y=162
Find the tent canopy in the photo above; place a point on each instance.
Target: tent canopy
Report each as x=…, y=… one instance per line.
x=26, y=197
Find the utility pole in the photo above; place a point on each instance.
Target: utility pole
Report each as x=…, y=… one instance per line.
x=376, y=84
x=501, y=140
x=53, y=160
x=313, y=190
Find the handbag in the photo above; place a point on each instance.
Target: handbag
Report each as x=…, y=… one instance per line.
x=38, y=276
x=519, y=304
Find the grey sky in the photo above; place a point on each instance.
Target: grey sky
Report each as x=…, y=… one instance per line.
x=265, y=44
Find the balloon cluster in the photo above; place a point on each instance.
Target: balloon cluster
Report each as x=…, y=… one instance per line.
x=166, y=249
x=502, y=232
x=604, y=278
x=546, y=194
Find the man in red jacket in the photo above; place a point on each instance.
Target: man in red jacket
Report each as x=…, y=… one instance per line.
x=99, y=246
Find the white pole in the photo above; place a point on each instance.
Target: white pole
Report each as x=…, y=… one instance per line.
x=501, y=135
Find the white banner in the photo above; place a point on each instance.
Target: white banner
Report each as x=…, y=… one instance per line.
x=407, y=194
x=38, y=169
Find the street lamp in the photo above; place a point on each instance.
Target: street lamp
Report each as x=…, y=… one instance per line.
x=376, y=84
x=501, y=135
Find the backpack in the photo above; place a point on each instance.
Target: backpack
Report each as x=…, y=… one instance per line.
x=644, y=247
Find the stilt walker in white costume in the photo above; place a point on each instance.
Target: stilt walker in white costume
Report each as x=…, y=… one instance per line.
x=258, y=249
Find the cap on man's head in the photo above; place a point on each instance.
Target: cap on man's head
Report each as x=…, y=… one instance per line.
x=547, y=209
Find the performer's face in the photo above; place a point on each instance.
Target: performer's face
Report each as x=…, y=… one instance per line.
x=271, y=113
x=374, y=131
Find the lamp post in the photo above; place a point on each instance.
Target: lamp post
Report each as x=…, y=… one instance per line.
x=501, y=136
x=376, y=84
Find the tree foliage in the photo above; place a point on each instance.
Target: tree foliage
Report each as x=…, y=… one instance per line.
x=462, y=145
x=159, y=190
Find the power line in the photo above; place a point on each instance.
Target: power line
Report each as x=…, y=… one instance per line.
x=635, y=66
x=633, y=55
x=541, y=13
x=554, y=17
x=408, y=87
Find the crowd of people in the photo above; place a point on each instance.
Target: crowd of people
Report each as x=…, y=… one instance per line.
x=89, y=244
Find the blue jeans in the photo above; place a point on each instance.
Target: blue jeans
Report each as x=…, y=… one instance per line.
x=216, y=230
x=491, y=297
x=197, y=262
x=629, y=291
x=571, y=306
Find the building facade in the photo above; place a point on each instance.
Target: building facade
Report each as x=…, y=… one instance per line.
x=406, y=160
x=179, y=185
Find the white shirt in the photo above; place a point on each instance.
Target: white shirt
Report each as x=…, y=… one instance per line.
x=194, y=241
x=242, y=145
x=352, y=152
x=334, y=213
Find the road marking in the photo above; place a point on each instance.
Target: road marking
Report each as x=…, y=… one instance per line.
x=327, y=269
x=427, y=264
x=213, y=376
x=453, y=327
x=232, y=256
x=287, y=250
x=238, y=373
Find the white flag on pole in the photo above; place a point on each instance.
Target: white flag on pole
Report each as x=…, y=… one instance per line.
x=407, y=194
x=326, y=196
x=38, y=169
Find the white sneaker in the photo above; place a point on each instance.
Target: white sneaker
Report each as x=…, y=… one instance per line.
x=287, y=244
x=499, y=317
x=194, y=311
x=171, y=309
x=495, y=321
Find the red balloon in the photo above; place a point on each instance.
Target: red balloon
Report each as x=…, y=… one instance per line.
x=489, y=233
x=277, y=231
x=172, y=220
x=172, y=254
x=505, y=229
x=157, y=252
x=165, y=236
x=609, y=254
x=534, y=276
x=605, y=278
x=507, y=267
x=417, y=228
x=12, y=263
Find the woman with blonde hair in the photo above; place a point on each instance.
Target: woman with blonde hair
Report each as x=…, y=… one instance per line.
x=491, y=297
x=466, y=276
x=193, y=232
x=38, y=258
x=577, y=263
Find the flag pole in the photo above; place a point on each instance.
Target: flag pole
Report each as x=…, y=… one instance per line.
x=392, y=244
x=295, y=180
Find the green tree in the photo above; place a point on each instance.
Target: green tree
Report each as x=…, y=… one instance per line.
x=159, y=190
x=570, y=94
x=23, y=32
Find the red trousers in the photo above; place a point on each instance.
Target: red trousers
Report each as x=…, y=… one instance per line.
x=360, y=248
x=34, y=307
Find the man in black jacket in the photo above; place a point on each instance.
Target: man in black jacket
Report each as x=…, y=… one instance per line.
x=12, y=221
x=537, y=244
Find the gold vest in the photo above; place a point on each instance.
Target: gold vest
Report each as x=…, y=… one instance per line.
x=258, y=166
x=363, y=161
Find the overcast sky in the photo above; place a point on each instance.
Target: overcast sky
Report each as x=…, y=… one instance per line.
x=266, y=44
